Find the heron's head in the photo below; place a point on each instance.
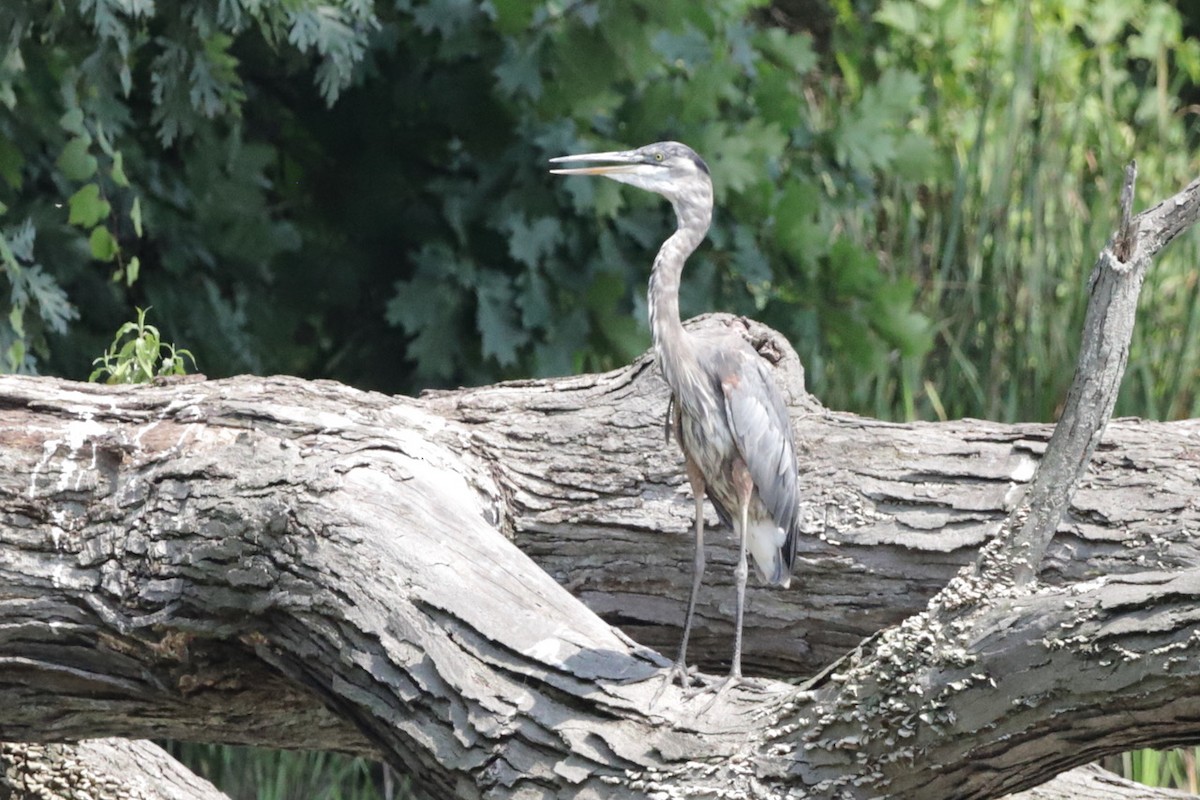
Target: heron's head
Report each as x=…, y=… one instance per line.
x=667, y=168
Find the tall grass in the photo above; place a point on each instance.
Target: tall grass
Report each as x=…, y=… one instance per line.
x=252, y=773
x=1035, y=108
x=1175, y=769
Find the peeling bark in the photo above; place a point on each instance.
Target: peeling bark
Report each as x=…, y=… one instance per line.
x=102, y=769
x=297, y=564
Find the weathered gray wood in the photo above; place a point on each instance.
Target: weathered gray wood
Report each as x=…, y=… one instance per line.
x=1093, y=781
x=99, y=769
x=165, y=550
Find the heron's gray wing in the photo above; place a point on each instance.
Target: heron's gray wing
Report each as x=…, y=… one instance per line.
x=762, y=431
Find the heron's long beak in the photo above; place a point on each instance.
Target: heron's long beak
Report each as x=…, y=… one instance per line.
x=619, y=161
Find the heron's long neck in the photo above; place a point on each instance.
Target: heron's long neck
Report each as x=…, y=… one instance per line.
x=671, y=343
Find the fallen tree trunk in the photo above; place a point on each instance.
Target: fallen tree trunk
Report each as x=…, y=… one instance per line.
x=170, y=552
x=274, y=562
x=124, y=769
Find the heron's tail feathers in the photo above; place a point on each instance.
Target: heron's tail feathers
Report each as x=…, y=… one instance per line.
x=765, y=541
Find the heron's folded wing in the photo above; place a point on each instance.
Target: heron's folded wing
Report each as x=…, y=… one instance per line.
x=762, y=431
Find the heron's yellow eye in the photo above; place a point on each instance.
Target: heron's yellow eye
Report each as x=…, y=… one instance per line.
x=658, y=156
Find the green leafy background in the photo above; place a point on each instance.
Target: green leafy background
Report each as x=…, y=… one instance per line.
x=913, y=191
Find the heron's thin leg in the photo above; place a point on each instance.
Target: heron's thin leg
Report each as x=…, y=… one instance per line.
x=698, y=562
x=680, y=667
x=740, y=573
x=744, y=485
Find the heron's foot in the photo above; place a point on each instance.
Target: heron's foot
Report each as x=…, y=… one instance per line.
x=681, y=672
x=717, y=689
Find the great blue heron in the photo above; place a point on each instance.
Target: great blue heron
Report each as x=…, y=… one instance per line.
x=729, y=416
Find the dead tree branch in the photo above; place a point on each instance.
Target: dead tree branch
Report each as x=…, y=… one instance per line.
x=1115, y=284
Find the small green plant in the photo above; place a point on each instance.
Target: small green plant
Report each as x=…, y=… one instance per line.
x=142, y=357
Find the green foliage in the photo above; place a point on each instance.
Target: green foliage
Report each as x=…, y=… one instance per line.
x=495, y=269
x=534, y=276
x=248, y=773
x=36, y=300
x=110, y=109
x=913, y=205
x=1172, y=769
x=1034, y=108
x=141, y=357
